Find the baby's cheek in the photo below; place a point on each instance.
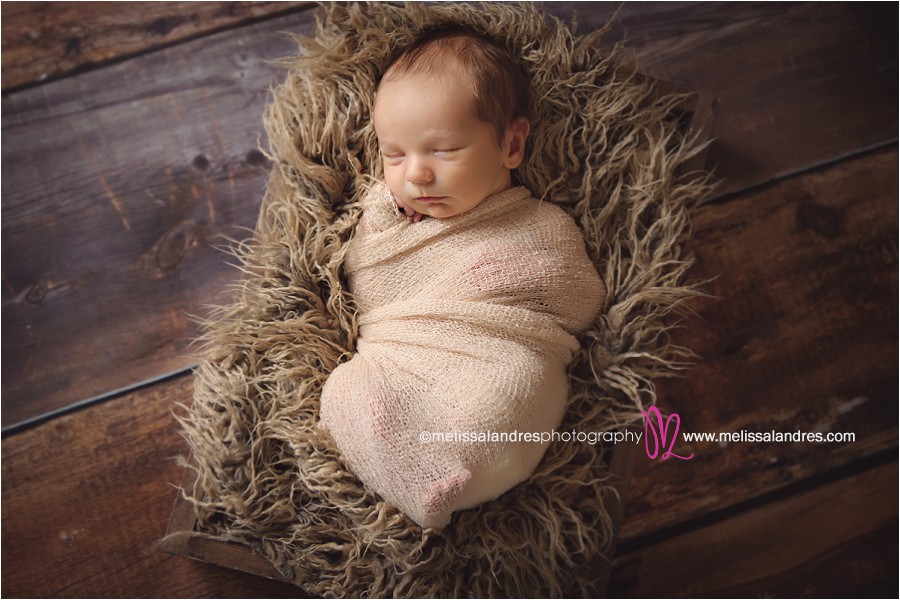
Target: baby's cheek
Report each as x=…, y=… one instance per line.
x=394, y=180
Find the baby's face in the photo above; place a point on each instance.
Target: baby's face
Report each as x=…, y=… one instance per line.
x=439, y=157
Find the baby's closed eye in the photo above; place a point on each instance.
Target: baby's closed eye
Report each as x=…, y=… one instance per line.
x=447, y=151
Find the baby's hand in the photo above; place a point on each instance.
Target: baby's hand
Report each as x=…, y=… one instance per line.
x=407, y=210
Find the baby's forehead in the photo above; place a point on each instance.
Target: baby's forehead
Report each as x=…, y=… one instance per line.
x=441, y=102
x=452, y=72
x=450, y=85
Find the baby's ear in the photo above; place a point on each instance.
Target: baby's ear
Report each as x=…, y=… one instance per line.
x=516, y=134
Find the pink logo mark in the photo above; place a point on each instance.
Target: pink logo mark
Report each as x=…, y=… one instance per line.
x=660, y=431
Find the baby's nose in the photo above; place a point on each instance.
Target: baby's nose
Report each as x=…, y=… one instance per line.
x=419, y=173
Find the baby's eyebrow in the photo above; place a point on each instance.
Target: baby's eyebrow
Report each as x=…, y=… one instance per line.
x=441, y=135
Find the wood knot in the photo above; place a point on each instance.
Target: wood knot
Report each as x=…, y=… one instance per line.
x=200, y=162
x=825, y=221
x=168, y=252
x=256, y=158
x=37, y=293
x=73, y=47
x=67, y=538
x=163, y=26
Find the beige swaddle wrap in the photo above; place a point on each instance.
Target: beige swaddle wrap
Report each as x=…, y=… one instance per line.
x=466, y=329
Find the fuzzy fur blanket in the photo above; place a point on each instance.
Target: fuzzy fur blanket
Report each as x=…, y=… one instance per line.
x=606, y=146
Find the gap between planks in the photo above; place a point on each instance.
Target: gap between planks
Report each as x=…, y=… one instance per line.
x=27, y=424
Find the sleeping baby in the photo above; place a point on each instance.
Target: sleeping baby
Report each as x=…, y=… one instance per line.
x=469, y=290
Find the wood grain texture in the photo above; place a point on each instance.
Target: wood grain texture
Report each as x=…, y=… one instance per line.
x=48, y=40
x=835, y=541
x=117, y=186
x=87, y=496
x=798, y=84
x=802, y=336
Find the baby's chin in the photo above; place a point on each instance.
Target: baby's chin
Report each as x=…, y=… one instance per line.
x=438, y=210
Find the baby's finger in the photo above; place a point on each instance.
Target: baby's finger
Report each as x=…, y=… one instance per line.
x=406, y=210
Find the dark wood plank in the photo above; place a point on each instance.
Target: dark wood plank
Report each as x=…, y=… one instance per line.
x=835, y=541
x=47, y=40
x=802, y=336
x=117, y=185
x=798, y=84
x=620, y=469
x=86, y=498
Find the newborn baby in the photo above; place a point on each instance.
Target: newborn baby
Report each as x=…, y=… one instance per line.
x=469, y=290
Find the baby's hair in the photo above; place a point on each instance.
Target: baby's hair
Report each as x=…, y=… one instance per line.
x=500, y=87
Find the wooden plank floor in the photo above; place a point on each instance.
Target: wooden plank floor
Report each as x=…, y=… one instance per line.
x=130, y=140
